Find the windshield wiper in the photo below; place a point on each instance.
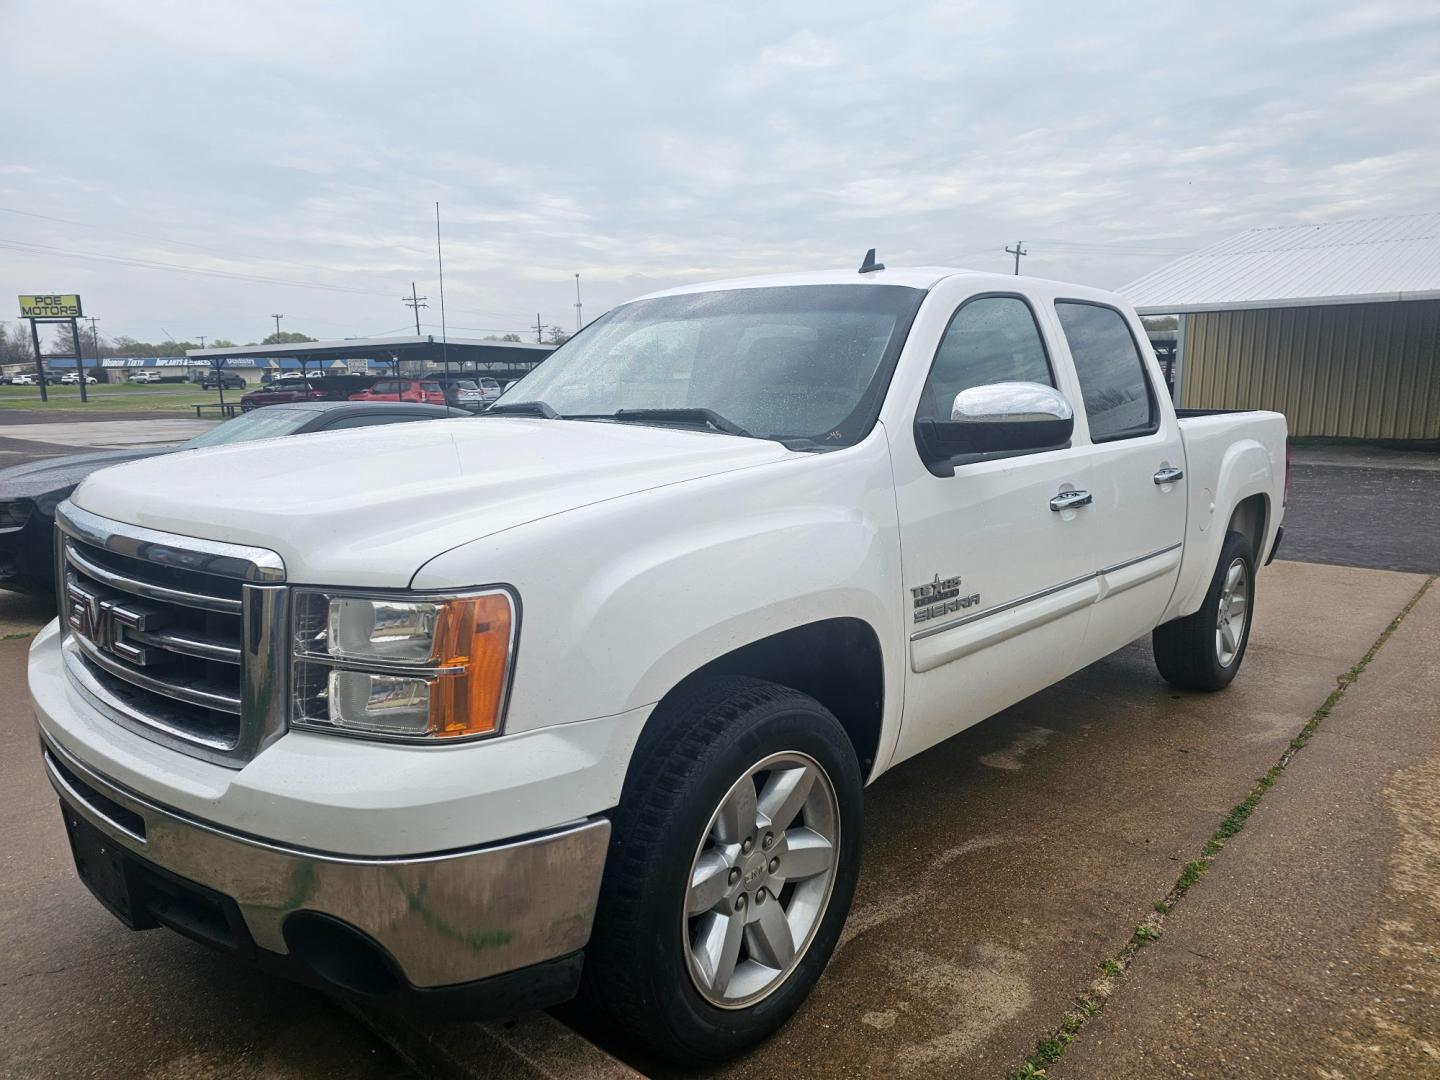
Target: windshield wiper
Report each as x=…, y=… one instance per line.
x=681, y=416
x=523, y=408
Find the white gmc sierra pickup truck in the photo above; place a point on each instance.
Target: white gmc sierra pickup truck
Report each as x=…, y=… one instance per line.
x=582, y=694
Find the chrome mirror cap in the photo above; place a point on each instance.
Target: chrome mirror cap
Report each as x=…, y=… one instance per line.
x=1009, y=403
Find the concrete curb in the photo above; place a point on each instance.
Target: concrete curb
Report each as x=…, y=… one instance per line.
x=534, y=1046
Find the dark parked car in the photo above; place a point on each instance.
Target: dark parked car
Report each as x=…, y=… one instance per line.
x=227, y=379
x=29, y=493
x=310, y=388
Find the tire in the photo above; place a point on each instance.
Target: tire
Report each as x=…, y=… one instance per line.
x=1196, y=652
x=643, y=970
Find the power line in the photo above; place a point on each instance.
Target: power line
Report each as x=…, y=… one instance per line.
x=230, y=275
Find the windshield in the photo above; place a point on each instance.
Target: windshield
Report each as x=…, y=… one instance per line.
x=247, y=427
x=805, y=362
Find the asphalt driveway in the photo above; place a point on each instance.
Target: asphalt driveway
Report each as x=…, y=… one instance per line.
x=1364, y=515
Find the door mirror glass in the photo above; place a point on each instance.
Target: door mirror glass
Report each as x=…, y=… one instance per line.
x=1004, y=417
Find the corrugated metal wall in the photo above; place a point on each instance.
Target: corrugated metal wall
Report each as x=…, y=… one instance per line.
x=1359, y=370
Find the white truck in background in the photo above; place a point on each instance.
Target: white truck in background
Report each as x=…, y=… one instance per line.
x=583, y=693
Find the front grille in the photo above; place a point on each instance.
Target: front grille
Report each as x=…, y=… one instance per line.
x=167, y=635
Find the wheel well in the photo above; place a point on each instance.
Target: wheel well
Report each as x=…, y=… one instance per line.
x=835, y=661
x=1249, y=521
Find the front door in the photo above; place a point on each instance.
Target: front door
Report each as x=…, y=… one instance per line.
x=998, y=584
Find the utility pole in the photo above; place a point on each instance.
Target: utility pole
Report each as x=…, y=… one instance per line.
x=202, y=340
x=94, y=335
x=277, y=319
x=577, y=303
x=415, y=303
x=1017, y=251
x=539, y=330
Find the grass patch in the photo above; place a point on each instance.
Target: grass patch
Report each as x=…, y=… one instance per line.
x=1050, y=1047
x=18, y=637
x=119, y=397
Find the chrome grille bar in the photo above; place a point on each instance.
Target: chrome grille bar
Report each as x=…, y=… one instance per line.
x=147, y=589
x=197, y=645
x=184, y=691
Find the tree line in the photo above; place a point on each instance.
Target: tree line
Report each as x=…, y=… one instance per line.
x=16, y=348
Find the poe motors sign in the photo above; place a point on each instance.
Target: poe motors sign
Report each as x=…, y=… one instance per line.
x=51, y=306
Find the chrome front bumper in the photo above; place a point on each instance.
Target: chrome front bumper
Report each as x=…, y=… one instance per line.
x=444, y=919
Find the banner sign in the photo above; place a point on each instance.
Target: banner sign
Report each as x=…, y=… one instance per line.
x=148, y=361
x=51, y=306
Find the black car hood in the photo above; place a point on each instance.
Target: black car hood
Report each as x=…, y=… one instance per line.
x=37, y=478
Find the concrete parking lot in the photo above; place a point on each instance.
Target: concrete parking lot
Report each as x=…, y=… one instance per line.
x=1005, y=871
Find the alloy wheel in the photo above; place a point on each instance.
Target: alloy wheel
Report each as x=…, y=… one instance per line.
x=761, y=880
x=1234, y=609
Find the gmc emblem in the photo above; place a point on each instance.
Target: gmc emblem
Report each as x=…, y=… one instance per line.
x=101, y=619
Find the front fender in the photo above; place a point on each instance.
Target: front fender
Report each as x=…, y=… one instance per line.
x=622, y=599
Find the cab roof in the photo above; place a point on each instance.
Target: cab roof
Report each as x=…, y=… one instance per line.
x=913, y=277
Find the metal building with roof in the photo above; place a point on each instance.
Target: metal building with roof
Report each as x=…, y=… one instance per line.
x=1335, y=325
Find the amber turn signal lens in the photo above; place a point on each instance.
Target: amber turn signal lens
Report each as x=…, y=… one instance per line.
x=474, y=636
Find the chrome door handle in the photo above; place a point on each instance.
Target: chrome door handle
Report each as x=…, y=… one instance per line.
x=1169, y=475
x=1070, y=500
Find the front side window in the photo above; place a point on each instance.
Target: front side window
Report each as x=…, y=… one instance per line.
x=802, y=362
x=1118, y=400
x=990, y=339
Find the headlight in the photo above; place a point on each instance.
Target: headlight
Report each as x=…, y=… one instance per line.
x=404, y=667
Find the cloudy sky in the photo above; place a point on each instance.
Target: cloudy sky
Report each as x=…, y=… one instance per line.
x=192, y=167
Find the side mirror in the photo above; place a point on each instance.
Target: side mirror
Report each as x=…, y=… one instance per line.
x=998, y=418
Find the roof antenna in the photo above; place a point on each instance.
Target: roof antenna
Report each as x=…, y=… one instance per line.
x=870, y=265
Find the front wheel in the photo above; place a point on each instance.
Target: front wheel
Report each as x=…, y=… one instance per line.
x=733, y=862
x=1203, y=651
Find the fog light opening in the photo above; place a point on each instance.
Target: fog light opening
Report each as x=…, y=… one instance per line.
x=341, y=955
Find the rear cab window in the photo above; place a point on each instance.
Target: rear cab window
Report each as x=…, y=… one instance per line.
x=1119, y=400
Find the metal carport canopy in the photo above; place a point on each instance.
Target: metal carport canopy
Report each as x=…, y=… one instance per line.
x=469, y=353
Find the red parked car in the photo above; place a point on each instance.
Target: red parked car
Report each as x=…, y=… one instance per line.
x=432, y=393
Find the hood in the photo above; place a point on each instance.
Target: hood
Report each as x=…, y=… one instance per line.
x=37, y=478
x=371, y=506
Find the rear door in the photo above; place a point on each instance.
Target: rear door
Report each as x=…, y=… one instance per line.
x=1137, y=465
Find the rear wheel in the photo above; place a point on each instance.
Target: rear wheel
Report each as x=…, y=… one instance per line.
x=1203, y=651
x=733, y=862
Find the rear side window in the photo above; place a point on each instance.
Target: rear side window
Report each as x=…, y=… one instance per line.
x=1118, y=400
x=430, y=387
x=990, y=339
